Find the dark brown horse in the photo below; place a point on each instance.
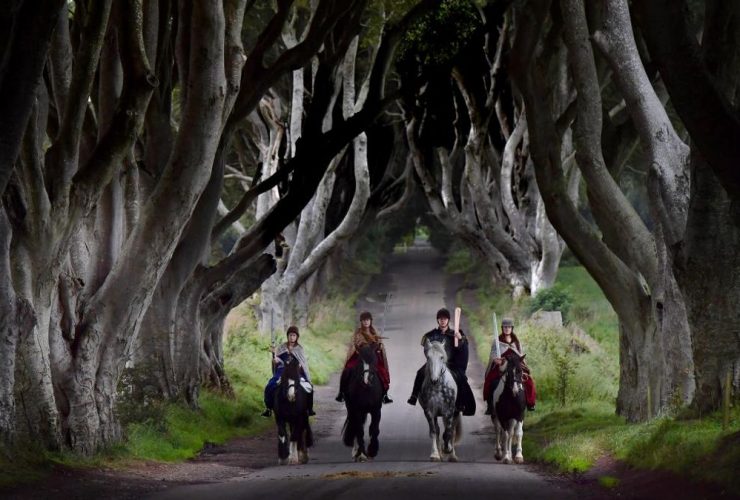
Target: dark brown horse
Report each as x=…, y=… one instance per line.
x=364, y=397
x=508, y=410
x=291, y=413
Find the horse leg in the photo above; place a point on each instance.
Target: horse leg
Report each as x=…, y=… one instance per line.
x=519, y=434
x=374, y=431
x=360, y=455
x=434, y=434
x=454, y=438
x=508, y=434
x=447, y=434
x=283, y=441
x=499, y=430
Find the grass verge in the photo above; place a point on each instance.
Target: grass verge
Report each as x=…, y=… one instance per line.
x=576, y=423
x=170, y=432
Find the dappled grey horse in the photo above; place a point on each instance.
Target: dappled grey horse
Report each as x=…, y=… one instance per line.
x=437, y=398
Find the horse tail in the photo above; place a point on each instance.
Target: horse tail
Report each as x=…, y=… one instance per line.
x=347, y=437
x=458, y=428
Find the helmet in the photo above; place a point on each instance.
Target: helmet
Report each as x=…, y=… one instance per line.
x=507, y=322
x=292, y=329
x=443, y=313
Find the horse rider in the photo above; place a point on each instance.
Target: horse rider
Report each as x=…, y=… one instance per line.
x=365, y=335
x=511, y=346
x=281, y=356
x=457, y=363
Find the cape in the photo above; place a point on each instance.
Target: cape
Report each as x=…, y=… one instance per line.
x=298, y=353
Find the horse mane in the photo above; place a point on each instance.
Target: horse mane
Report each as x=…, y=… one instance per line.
x=292, y=370
x=367, y=355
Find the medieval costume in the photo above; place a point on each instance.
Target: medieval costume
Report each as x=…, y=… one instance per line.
x=366, y=335
x=493, y=372
x=282, y=356
x=457, y=363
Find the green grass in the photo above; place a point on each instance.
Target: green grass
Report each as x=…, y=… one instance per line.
x=574, y=435
x=170, y=432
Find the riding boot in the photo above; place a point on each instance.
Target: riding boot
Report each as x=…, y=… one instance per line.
x=417, y=386
x=267, y=413
x=342, y=386
x=489, y=410
x=386, y=398
x=311, y=413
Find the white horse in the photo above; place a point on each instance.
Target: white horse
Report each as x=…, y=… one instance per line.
x=437, y=398
x=508, y=410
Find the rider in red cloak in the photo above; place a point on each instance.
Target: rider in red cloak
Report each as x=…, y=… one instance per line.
x=366, y=334
x=509, y=345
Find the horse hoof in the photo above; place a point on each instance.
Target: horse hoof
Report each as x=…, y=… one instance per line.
x=519, y=460
x=282, y=461
x=498, y=456
x=507, y=460
x=453, y=458
x=434, y=459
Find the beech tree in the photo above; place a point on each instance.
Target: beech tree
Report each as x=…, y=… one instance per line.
x=664, y=353
x=110, y=209
x=480, y=183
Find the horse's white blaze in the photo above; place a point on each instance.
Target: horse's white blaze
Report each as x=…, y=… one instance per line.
x=366, y=373
x=291, y=391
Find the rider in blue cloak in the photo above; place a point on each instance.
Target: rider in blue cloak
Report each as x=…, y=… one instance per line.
x=281, y=357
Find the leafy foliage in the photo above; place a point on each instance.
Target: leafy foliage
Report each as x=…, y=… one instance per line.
x=556, y=298
x=436, y=38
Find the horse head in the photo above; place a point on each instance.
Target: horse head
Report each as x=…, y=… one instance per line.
x=514, y=373
x=368, y=362
x=436, y=360
x=290, y=377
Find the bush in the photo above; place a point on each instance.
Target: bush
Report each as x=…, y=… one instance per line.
x=552, y=299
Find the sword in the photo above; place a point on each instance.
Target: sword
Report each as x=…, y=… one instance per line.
x=272, y=340
x=385, y=310
x=458, y=311
x=495, y=336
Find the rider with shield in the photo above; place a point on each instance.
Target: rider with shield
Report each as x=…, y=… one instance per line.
x=366, y=335
x=508, y=345
x=282, y=355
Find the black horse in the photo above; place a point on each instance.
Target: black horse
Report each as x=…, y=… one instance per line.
x=508, y=409
x=291, y=412
x=364, y=396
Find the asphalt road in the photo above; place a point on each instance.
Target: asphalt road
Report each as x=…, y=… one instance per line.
x=402, y=469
